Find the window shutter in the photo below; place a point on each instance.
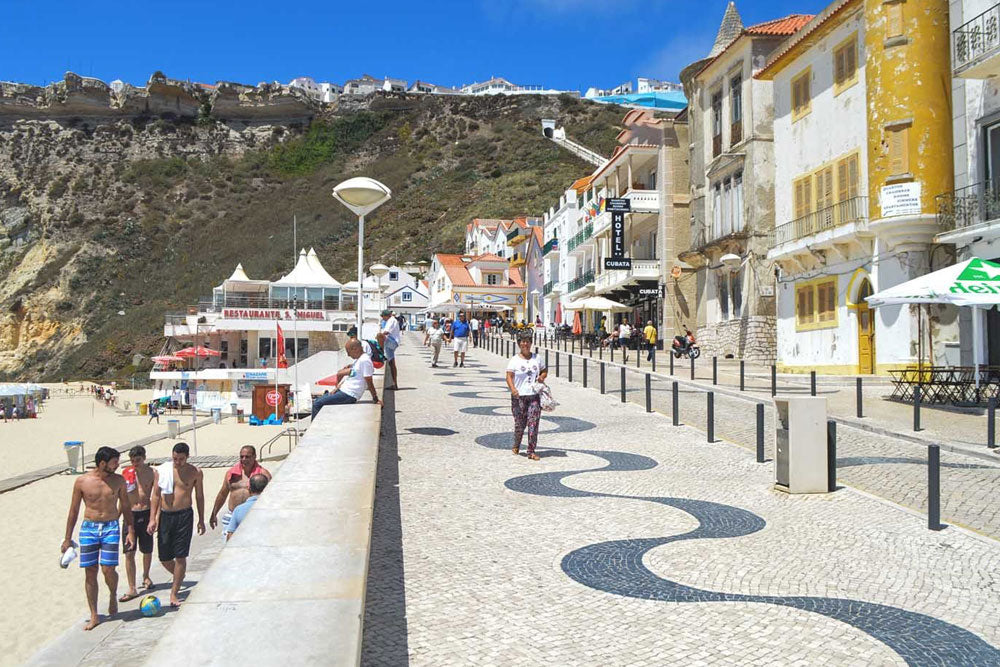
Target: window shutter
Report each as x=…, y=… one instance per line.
x=798, y=199
x=807, y=196
x=843, y=186
x=852, y=176
x=839, y=66
x=894, y=19
x=898, y=159
x=850, y=59
x=795, y=96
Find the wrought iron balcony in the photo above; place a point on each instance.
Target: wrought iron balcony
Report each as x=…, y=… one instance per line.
x=580, y=237
x=850, y=210
x=581, y=281
x=976, y=45
x=548, y=287
x=551, y=245
x=968, y=206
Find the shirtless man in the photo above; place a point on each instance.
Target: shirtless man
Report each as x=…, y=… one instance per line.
x=104, y=498
x=236, y=485
x=139, y=486
x=174, y=482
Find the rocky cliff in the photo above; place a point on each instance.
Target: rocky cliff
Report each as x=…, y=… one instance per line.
x=118, y=207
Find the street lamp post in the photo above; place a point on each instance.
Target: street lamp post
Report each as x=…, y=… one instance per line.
x=361, y=195
x=379, y=270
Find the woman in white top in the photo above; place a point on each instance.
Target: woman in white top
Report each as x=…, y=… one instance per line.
x=523, y=371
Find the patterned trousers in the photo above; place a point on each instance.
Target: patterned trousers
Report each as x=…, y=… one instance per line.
x=527, y=412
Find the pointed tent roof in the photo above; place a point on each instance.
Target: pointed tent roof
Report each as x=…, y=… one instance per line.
x=729, y=30
x=239, y=273
x=240, y=276
x=306, y=273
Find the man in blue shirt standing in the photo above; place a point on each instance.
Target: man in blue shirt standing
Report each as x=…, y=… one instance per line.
x=460, y=338
x=257, y=484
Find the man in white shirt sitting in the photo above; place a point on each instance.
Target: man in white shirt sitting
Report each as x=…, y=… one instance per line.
x=351, y=380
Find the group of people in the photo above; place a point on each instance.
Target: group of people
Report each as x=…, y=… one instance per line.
x=125, y=511
x=454, y=333
x=106, y=394
x=622, y=334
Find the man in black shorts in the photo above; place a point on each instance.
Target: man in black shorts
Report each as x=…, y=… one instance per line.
x=139, y=486
x=176, y=484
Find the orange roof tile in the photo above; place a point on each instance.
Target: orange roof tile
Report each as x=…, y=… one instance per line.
x=782, y=27
x=581, y=184
x=819, y=23
x=456, y=266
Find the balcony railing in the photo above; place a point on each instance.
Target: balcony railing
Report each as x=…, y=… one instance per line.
x=968, y=206
x=841, y=213
x=580, y=237
x=548, y=287
x=517, y=260
x=551, y=245
x=581, y=281
x=644, y=200
x=513, y=234
x=977, y=38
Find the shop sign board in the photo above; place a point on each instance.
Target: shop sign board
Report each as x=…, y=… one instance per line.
x=273, y=398
x=617, y=264
x=900, y=199
x=272, y=314
x=618, y=208
x=649, y=291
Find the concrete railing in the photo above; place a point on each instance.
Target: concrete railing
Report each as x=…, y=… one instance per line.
x=289, y=587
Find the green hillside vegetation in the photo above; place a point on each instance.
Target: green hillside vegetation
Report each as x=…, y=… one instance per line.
x=174, y=227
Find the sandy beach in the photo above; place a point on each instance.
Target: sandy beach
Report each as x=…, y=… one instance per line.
x=48, y=598
x=31, y=444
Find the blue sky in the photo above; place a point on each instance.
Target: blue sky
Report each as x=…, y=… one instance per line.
x=566, y=44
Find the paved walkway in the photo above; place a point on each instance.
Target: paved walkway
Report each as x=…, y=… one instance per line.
x=596, y=555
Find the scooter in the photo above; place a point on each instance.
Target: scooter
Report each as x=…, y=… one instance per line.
x=685, y=345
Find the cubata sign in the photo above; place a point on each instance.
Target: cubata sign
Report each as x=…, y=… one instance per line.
x=612, y=264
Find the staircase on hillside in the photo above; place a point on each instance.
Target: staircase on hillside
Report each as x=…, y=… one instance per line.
x=558, y=135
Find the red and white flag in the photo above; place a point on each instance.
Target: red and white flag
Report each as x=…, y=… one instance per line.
x=282, y=360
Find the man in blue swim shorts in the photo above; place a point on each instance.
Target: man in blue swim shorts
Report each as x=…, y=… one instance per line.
x=103, y=494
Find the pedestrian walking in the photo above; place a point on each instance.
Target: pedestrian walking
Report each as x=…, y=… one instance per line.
x=474, y=327
x=154, y=412
x=524, y=370
x=433, y=337
x=460, y=335
x=390, y=325
x=649, y=334
x=624, y=334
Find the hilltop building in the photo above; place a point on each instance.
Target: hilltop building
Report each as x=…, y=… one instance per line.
x=500, y=86
x=732, y=187
x=969, y=210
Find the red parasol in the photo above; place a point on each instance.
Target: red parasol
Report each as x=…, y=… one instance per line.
x=577, y=324
x=166, y=358
x=198, y=351
x=329, y=381
x=559, y=313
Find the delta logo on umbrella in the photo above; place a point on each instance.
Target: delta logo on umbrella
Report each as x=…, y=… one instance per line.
x=978, y=271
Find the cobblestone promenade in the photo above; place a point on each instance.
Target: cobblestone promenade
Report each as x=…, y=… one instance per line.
x=633, y=542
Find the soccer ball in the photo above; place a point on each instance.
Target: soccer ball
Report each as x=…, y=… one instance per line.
x=150, y=605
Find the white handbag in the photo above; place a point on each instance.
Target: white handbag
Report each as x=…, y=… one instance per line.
x=548, y=404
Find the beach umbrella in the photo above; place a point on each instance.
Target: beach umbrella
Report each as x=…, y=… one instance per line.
x=577, y=324
x=559, y=313
x=598, y=303
x=197, y=351
x=330, y=381
x=974, y=283
x=166, y=358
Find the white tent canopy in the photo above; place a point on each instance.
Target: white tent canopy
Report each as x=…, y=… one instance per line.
x=309, y=272
x=597, y=303
x=974, y=283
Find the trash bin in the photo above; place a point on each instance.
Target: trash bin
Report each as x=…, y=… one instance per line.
x=74, y=455
x=216, y=415
x=232, y=408
x=239, y=416
x=143, y=409
x=800, y=463
x=173, y=428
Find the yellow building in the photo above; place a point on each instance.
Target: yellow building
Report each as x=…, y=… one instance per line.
x=862, y=144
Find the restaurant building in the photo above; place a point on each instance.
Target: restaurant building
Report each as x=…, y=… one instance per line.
x=239, y=324
x=480, y=284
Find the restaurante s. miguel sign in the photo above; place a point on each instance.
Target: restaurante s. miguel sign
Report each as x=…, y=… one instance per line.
x=271, y=314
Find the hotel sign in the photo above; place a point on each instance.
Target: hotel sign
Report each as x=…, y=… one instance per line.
x=618, y=208
x=612, y=264
x=272, y=314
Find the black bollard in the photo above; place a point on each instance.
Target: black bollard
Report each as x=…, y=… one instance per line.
x=585, y=373
x=546, y=357
x=612, y=347
x=602, y=377
x=715, y=370
x=649, y=394
x=569, y=364
x=934, y=487
x=742, y=375
x=831, y=455
x=760, y=433
x=557, y=363
x=774, y=380
x=671, y=355
x=711, y=416
x=600, y=350
x=654, y=357
x=916, y=408
x=858, y=395
x=676, y=401
x=638, y=356
x=623, y=383
x=692, y=369
x=991, y=422
x=812, y=383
